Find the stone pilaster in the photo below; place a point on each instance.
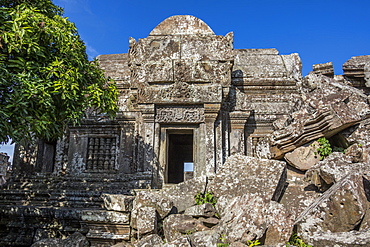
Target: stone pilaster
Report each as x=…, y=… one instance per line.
x=211, y=112
x=238, y=120
x=148, y=114
x=127, y=144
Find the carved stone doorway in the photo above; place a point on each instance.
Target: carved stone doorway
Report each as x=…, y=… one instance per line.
x=180, y=151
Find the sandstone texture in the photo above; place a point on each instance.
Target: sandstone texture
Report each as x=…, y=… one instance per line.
x=327, y=108
x=242, y=175
x=303, y=158
x=249, y=217
x=118, y=202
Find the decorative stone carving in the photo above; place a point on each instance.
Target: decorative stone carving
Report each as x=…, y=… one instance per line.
x=182, y=25
x=187, y=114
x=101, y=153
x=180, y=92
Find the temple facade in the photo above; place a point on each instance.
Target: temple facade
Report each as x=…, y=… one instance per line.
x=187, y=100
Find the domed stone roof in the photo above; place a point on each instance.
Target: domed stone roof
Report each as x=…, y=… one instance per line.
x=182, y=25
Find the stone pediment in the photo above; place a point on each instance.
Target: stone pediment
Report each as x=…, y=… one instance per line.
x=182, y=25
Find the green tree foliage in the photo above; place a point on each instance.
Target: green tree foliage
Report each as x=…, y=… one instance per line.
x=46, y=80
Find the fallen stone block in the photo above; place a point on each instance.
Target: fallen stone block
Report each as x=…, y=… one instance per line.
x=328, y=107
x=241, y=175
x=153, y=199
x=176, y=225
x=250, y=217
x=340, y=209
x=203, y=210
x=298, y=194
x=332, y=169
x=205, y=238
x=146, y=221
x=105, y=216
x=209, y=222
x=182, y=194
x=152, y=240
x=342, y=239
x=117, y=202
x=183, y=241
x=303, y=158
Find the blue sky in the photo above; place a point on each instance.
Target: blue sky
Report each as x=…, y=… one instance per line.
x=319, y=30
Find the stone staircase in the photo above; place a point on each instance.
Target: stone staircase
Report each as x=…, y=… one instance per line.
x=42, y=206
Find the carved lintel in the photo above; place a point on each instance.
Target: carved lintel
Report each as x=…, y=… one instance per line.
x=180, y=92
x=179, y=114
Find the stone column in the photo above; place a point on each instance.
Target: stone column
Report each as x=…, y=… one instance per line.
x=158, y=179
x=238, y=120
x=126, y=149
x=211, y=112
x=219, y=144
x=148, y=137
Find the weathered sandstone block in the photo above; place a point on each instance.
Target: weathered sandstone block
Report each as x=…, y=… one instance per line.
x=117, y=202
x=153, y=240
x=298, y=194
x=342, y=239
x=242, y=175
x=303, y=158
x=182, y=194
x=177, y=224
x=183, y=241
x=340, y=209
x=332, y=169
x=104, y=216
x=203, y=210
x=250, y=216
x=205, y=238
x=155, y=200
x=146, y=221
x=328, y=108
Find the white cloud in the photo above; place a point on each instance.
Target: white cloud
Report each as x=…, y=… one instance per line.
x=74, y=6
x=91, y=52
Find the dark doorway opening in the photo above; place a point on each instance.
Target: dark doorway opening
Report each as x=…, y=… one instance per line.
x=180, y=151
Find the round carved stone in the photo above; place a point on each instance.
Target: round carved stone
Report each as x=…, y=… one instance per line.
x=182, y=25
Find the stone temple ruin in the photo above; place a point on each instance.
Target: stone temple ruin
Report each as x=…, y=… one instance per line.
x=191, y=110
